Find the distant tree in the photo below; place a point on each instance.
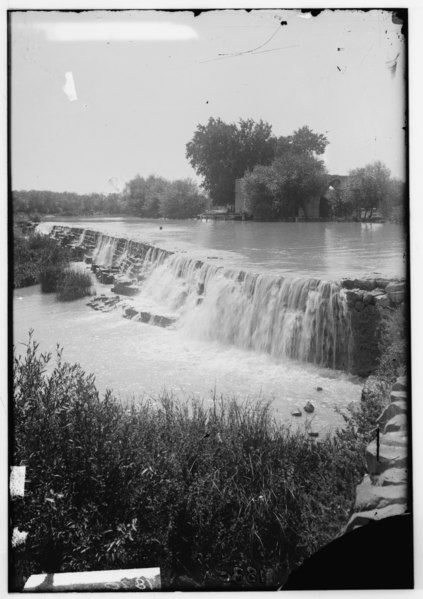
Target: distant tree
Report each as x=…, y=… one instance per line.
x=142, y=197
x=182, y=199
x=261, y=193
x=221, y=152
x=370, y=187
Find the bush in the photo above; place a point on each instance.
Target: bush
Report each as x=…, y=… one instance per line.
x=73, y=284
x=222, y=494
x=393, y=346
x=38, y=258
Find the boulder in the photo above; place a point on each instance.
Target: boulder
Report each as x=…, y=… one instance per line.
x=366, y=284
x=393, y=476
x=396, y=292
x=297, y=412
x=309, y=408
x=382, y=283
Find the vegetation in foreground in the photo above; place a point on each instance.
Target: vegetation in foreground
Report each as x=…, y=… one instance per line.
x=221, y=497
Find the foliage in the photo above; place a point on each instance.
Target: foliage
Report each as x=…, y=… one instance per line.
x=295, y=177
x=143, y=196
x=369, y=187
x=181, y=199
x=38, y=258
x=221, y=152
x=73, y=284
x=194, y=490
x=393, y=346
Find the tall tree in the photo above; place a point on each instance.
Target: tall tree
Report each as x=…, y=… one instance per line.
x=182, y=200
x=370, y=187
x=221, y=152
x=295, y=177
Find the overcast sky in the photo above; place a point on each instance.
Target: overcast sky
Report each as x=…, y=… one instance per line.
x=100, y=96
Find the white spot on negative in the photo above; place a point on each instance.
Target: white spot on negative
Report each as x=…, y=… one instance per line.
x=69, y=87
x=17, y=481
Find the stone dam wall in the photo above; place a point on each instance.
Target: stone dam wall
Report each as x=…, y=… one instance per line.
x=370, y=301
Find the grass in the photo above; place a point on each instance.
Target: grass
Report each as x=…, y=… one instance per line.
x=222, y=496
x=73, y=284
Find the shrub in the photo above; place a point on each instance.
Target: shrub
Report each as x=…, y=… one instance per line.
x=73, y=284
x=38, y=258
x=393, y=346
x=223, y=494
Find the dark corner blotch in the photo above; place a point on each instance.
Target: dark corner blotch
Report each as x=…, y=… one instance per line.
x=314, y=12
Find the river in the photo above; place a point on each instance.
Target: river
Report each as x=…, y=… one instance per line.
x=137, y=359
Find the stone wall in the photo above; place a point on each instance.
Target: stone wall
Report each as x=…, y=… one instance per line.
x=384, y=490
x=370, y=302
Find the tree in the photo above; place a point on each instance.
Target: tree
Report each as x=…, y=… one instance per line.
x=302, y=141
x=370, y=187
x=221, y=152
x=295, y=177
x=143, y=196
x=182, y=200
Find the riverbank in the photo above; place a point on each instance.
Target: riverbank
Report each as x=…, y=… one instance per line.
x=219, y=497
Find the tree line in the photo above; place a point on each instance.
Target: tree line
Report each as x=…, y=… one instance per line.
x=151, y=197
x=280, y=178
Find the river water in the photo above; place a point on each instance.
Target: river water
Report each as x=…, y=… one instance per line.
x=137, y=359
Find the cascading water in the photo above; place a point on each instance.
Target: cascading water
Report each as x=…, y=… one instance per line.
x=298, y=318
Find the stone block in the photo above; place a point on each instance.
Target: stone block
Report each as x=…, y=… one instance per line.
x=393, y=476
x=399, y=396
x=389, y=456
x=400, y=384
x=396, y=292
x=397, y=423
x=369, y=497
x=362, y=518
x=383, y=301
x=368, y=298
x=394, y=408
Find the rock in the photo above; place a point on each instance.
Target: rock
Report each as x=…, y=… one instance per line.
x=397, y=407
x=389, y=456
x=130, y=312
x=353, y=296
x=399, y=396
x=393, y=476
x=309, y=408
x=319, y=388
x=370, y=497
x=296, y=412
x=396, y=292
x=362, y=518
x=397, y=423
x=382, y=283
x=368, y=298
x=400, y=384
x=366, y=284
x=383, y=301
x=313, y=434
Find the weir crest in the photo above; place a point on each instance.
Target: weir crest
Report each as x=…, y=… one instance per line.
x=300, y=318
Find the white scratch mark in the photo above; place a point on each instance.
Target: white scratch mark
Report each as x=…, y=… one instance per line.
x=69, y=87
x=17, y=481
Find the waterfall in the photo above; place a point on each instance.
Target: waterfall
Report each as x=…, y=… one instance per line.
x=301, y=318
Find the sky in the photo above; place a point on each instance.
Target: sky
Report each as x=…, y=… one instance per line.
x=100, y=96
